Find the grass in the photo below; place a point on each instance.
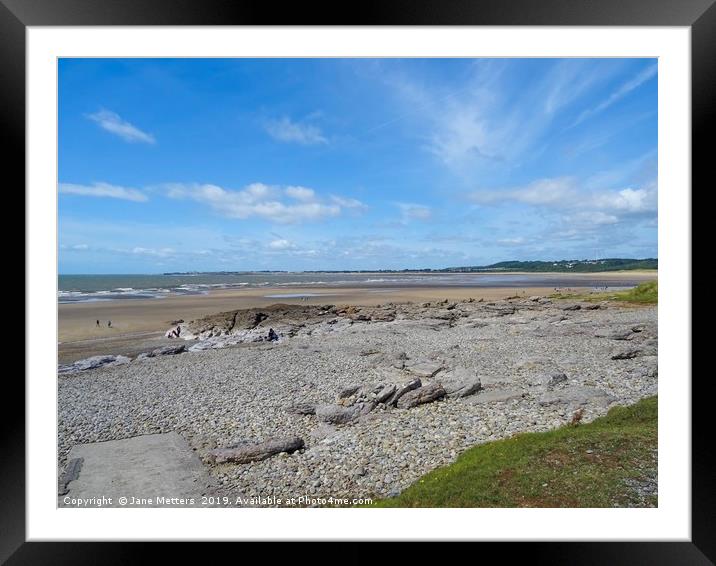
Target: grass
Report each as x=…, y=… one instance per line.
x=578, y=465
x=643, y=294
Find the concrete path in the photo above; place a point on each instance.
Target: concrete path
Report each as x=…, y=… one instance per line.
x=156, y=470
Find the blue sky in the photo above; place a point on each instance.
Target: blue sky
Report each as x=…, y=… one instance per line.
x=300, y=164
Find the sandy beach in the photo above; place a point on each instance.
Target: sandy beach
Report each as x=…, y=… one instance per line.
x=138, y=324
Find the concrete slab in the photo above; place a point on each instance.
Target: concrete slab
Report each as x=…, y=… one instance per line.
x=155, y=470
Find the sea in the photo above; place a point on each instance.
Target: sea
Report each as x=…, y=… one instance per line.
x=84, y=288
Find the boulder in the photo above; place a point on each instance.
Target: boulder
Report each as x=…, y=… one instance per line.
x=425, y=394
x=461, y=383
x=385, y=393
x=402, y=389
x=246, y=452
x=336, y=414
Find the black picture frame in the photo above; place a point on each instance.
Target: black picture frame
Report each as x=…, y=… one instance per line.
x=17, y=15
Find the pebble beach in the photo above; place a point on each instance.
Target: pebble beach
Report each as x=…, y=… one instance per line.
x=497, y=368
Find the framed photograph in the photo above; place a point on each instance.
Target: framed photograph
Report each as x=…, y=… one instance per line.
x=285, y=272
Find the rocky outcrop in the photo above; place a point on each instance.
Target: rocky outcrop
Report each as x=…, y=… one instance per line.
x=402, y=389
x=93, y=362
x=164, y=351
x=425, y=394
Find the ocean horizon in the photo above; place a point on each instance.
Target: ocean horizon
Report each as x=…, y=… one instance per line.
x=108, y=287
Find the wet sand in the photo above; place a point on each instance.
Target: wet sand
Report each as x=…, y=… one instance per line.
x=139, y=324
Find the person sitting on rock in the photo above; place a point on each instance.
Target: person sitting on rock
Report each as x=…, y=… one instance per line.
x=272, y=336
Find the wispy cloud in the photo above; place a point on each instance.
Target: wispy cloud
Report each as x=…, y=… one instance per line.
x=349, y=203
x=410, y=211
x=286, y=130
x=113, y=123
x=283, y=205
x=540, y=192
x=566, y=193
x=619, y=93
x=103, y=190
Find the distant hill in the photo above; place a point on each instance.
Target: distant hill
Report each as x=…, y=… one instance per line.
x=572, y=265
x=564, y=265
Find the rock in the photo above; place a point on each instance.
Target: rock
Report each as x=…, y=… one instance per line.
x=576, y=397
x=385, y=393
x=336, y=414
x=425, y=369
x=425, y=394
x=304, y=408
x=348, y=391
x=168, y=350
x=501, y=310
x=626, y=355
x=496, y=396
x=403, y=389
x=245, y=452
x=93, y=362
x=556, y=378
x=461, y=383
x=362, y=409
x=574, y=307
x=615, y=335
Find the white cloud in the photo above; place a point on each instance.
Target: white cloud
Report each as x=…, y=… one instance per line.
x=580, y=210
x=281, y=244
x=301, y=193
x=411, y=211
x=351, y=203
x=104, y=190
x=620, y=93
x=154, y=252
x=286, y=130
x=541, y=192
x=113, y=123
x=628, y=200
x=262, y=201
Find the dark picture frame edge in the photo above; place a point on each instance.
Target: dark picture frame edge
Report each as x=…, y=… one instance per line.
x=700, y=15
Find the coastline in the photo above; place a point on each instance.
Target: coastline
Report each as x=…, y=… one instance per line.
x=141, y=323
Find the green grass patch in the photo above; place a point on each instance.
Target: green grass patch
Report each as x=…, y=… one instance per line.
x=599, y=464
x=643, y=294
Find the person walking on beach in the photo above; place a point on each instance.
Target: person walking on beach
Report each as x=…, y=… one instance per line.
x=97, y=323
x=109, y=324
